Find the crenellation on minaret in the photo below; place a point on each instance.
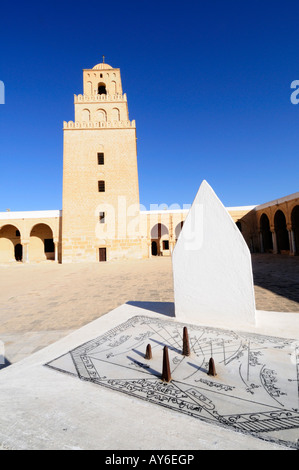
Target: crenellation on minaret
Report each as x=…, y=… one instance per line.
x=97, y=125
x=97, y=97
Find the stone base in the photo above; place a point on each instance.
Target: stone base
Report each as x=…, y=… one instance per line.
x=60, y=411
x=88, y=250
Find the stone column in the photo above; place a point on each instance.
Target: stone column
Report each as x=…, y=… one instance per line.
x=292, y=241
x=56, y=245
x=25, y=246
x=148, y=235
x=159, y=244
x=171, y=234
x=274, y=239
x=261, y=242
x=160, y=247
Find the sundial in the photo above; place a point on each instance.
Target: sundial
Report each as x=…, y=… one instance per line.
x=255, y=391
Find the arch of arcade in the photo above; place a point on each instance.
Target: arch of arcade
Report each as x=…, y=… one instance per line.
x=30, y=236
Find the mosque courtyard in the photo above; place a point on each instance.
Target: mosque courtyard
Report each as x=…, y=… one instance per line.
x=43, y=302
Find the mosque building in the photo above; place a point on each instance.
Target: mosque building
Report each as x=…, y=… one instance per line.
x=101, y=218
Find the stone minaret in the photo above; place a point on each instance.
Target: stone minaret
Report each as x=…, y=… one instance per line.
x=100, y=218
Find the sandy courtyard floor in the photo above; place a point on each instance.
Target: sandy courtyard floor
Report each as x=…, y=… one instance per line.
x=40, y=303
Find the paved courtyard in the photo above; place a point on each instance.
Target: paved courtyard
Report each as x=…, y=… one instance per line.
x=40, y=303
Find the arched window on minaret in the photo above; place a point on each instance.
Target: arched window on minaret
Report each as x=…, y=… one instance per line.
x=101, y=115
x=102, y=89
x=86, y=115
x=89, y=88
x=115, y=114
x=113, y=87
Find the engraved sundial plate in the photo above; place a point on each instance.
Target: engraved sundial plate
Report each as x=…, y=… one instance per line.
x=256, y=389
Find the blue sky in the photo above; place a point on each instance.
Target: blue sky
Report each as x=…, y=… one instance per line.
x=208, y=84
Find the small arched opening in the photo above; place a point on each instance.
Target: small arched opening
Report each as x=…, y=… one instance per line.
x=295, y=228
x=159, y=235
x=18, y=252
x=154, y=248
x=266, y=234
x=102, y=89
x=282, y=236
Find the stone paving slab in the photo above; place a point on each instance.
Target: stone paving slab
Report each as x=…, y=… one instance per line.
x=276, y=279
x=16, y=346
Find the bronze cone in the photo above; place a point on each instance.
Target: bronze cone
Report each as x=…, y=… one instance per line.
x=148, y=354
x=186, y=344
x=212, y=369
x=166, y=375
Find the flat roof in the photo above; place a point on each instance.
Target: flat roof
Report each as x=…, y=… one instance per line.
x=30, y=214
x=278, y=201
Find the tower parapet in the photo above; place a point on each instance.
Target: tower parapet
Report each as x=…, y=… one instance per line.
x=97, y=97
x=99, y=125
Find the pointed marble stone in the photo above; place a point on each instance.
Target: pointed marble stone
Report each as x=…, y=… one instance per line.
x=212, y=271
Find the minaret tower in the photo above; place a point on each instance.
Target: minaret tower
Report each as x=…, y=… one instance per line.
x=100, y=217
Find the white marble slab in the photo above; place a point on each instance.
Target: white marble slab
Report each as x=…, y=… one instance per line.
x=213, y=280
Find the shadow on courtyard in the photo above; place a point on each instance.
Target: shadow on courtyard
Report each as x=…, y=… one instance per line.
x=165, y=308
x=4, y=362
x=278, y=274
